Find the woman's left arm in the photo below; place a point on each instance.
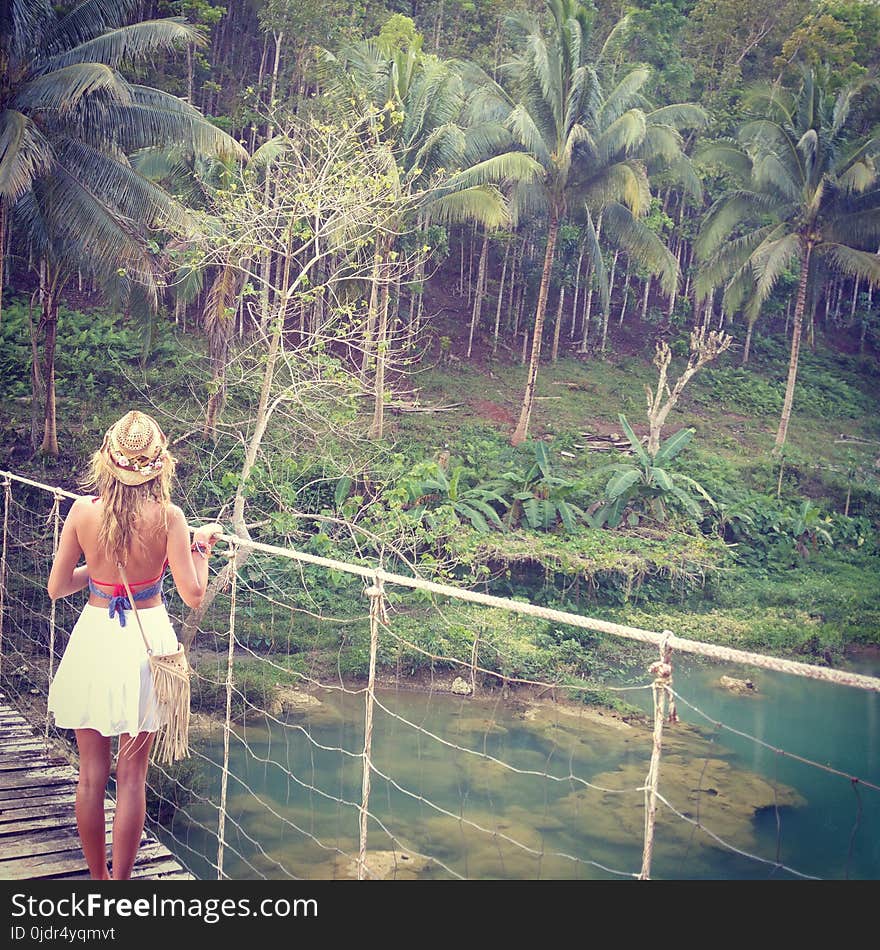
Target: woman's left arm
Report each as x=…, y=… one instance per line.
x=65, y=577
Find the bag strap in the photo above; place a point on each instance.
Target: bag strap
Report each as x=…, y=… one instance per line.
x=131, y=600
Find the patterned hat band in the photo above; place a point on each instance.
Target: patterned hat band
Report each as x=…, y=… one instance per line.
x=135, y=448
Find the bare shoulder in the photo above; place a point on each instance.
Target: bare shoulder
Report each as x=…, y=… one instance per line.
x=176, y=517
x=81, y=508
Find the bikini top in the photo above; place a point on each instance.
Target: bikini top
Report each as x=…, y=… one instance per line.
x=119, y=601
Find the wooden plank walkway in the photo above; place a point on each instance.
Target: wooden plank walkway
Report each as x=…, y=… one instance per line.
x=38, y=836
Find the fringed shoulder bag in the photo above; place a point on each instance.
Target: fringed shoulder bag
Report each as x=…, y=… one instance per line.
x=171, y=685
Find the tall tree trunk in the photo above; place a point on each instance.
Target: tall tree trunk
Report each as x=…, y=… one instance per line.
x=373, y=306
x=525, y=415
x=37, y=390
x=378, y=424
x=500, y=298
x=3, y=254
x=607, y=310
x=577, y=288
x=782, y=432
x=49, y=289
x=626, y=281
x=748, y=344
x=479, y=292
x=554, y=353
x=279, y=39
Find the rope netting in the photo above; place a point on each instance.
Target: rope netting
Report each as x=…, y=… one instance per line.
x=350, y=722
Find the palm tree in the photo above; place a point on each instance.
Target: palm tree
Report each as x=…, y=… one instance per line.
x=451, y=169
x=593, y=147
x=805, y=193
x=68, y=122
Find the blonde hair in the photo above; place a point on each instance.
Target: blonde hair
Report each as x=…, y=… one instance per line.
x=124, y=504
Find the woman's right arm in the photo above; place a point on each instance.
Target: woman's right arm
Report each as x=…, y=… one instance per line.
x=188, y=568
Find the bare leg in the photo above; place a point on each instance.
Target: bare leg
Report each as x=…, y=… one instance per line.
x=94, y=770
x=131, y=801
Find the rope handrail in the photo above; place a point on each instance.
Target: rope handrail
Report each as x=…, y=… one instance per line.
x=656, y=638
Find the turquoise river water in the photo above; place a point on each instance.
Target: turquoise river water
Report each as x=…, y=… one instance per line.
x=486, y=789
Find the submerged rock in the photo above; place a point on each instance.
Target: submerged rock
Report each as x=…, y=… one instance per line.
x=460, y=687
x=740, y=687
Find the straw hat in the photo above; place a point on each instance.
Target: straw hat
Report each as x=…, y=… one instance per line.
x=134, y=449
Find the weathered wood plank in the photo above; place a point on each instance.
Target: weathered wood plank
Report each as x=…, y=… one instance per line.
x=29, y=778
x=38, y=833
x=58, y=807
x=56, y=787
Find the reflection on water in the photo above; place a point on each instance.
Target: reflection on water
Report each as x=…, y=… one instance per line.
x=485, y=789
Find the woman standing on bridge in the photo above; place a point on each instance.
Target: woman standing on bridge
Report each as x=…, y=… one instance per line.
x=103, y=687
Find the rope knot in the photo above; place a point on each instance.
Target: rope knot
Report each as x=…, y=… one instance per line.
x=376, y=593
x=661, y=670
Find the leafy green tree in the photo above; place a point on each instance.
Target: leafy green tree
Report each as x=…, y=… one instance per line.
x=804, y=194
x=593, y=147
x=68, y=122
x=451, y=167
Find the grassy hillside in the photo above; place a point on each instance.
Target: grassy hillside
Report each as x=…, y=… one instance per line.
x=784, y=559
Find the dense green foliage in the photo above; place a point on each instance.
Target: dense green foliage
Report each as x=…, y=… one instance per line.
x=347, y=380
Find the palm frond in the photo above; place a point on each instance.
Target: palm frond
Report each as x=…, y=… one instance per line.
x=771, y=259
x=854, y=263
x=594, y=254
x=155, y=116
x=482, y=139
x=25, y=154
x=732, y=255
x=511, y=166
x=271, y=150
x=625, y=182
x=762, y=135
x=524, y=130
x=860, y=176
x=84, y=22
x=117, y=184
x=856, y=228
x=130, y=43
x=732, y=210
x=729, y=156
x=681, y=172
x=481, y=203
x=661, y=142
x=680, y=116
x=61, y=90
x=622, y=97
x=641, y=244
x=622, y=136
x=771, y=100
x=769, y=173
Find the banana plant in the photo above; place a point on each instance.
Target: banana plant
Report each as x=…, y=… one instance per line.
x=646, y=487
x=541, y=497
x=430, y=487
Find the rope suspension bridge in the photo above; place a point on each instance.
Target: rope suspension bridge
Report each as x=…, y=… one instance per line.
x=312, y=761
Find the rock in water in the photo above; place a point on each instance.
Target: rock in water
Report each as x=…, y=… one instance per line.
x=460, y=687
x=740, y=687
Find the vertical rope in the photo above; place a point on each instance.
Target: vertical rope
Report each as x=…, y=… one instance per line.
x=56, y=530
x=378, y=614
x=7, y=498
x=662, y=673
x=224, y=779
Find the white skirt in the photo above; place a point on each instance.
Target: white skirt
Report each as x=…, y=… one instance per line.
x=103, y=681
